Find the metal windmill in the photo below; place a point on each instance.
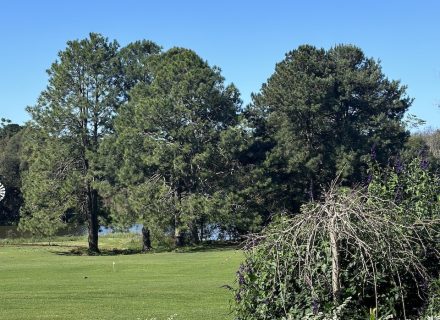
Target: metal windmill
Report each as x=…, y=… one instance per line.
x=2, y=192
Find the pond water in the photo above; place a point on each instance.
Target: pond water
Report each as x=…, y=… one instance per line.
x=12, y=232
x=137, y=228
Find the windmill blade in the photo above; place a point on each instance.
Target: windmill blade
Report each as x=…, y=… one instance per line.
x=2, y=192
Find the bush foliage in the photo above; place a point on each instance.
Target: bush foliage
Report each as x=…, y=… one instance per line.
x=356, y=250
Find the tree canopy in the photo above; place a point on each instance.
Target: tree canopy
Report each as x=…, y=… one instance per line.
x=322, y=113
x=172, y=128
x=75, y=111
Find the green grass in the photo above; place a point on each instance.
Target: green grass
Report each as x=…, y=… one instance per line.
x=38, y=281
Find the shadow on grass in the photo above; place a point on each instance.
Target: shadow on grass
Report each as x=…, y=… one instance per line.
x=208, y=246
x=205, y=247
x=38, y=244
x=83, y=251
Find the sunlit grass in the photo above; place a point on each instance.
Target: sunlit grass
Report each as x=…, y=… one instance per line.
x=38, y=281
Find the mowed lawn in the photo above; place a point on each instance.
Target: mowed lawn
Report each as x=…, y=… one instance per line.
x=42, y=282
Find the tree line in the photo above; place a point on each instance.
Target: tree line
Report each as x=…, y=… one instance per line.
x=136, y=134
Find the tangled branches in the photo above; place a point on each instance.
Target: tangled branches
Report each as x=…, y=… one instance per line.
x=350, y=245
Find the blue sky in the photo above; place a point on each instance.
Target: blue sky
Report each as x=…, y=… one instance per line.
x=244, y=38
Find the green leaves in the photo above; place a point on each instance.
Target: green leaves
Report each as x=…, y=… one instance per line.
x=135, y=63
x=84, y=90
x=51, y=185
x=87, y=86
x=381, y=257
x=411, y=185
x=172, y=129
x=321, y=113
x=74, y=114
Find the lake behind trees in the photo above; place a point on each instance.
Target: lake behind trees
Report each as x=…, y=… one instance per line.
x=13, y=232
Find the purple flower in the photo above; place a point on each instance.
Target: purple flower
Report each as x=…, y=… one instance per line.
x=398, y=196
x=373, y=152
x=424, y=164
x=315, y=306
x=368, y=179
x=422, y=153
x=423, y=156
x=240, y=277
x=398, y=166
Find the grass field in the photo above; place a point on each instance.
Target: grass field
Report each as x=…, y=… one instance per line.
x=38, y=281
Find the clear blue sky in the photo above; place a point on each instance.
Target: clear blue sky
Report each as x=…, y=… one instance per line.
x=244, y=38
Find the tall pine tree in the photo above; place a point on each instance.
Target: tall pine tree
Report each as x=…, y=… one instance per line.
x=75, y=112
x=171, y=129
x=321, y=114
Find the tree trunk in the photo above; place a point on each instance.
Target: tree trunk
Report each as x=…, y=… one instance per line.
x=178, y=234
x=93, y=224
x=146, y=240
x=336, y=286
x=202, y=226
x=195, y=233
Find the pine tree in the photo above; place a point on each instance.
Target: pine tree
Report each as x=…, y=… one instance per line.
x=321, y=114
x=171, y=129
x=75, y=112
